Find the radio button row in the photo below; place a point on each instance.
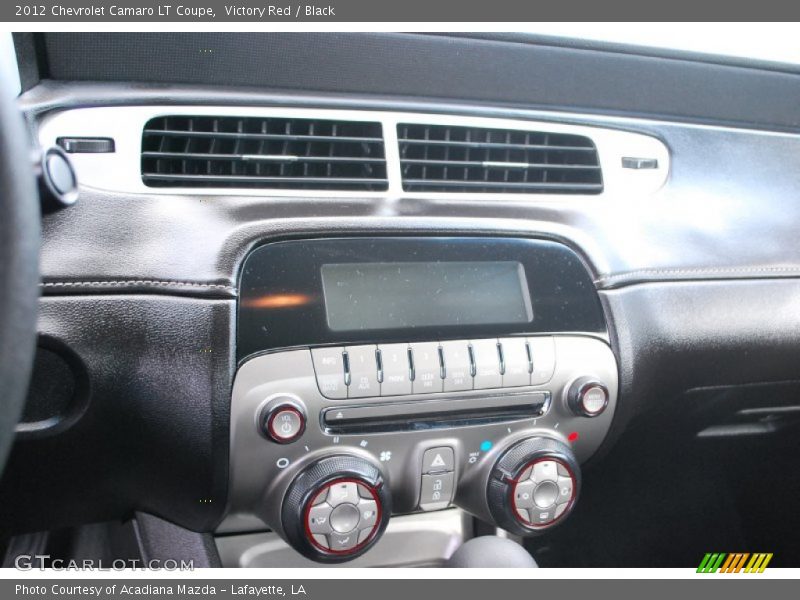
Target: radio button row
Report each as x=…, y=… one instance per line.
x=429, y=367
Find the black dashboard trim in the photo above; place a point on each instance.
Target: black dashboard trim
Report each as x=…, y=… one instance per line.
x=412, y=65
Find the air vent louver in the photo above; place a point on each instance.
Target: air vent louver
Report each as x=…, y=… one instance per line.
x=440, y=158
x=254, y=152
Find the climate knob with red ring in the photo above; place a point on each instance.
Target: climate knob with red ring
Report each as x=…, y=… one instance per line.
x=336, y=508
x=533, y=485
x=343, y=516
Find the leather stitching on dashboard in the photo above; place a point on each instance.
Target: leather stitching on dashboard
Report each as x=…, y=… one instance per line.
x=139, y=282
x=701, y=271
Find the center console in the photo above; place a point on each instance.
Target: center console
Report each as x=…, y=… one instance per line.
x=388, y=376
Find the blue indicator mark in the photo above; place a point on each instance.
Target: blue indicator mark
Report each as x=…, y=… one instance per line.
x=486, y=445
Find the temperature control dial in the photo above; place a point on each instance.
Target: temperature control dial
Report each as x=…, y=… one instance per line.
x=533, y=485
x=336, y=509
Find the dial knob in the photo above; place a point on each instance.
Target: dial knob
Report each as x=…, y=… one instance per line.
x=284, y=423
x=283, y=420
x=587, y=397
x=533, y=486
x=336, y=509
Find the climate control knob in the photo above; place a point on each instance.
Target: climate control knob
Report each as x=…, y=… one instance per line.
x=587, y=397
x=533, y=486
x=336, y=508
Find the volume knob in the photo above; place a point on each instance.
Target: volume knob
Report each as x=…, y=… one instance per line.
x=283, y=420
x=587, y=397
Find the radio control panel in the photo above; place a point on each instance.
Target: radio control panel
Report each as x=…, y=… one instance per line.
x=429, y=367
x=417, y=426
x=409, y=374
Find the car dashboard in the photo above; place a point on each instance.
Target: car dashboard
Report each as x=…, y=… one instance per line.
x=366, y=309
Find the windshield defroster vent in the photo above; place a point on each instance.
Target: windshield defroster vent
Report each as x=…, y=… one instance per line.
x=255, y=152
x=442, y=158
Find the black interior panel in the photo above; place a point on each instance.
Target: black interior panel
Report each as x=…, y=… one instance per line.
x=672, y=337
x=153, y=436
x=664, y=495
x=437, y=66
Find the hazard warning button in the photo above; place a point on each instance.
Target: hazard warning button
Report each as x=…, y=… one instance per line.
x=438, y=460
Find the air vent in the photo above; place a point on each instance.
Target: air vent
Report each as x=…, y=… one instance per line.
x=249, y=152
x=440, y=158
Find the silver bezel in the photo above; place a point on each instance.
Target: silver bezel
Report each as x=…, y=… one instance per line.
x=121, y=171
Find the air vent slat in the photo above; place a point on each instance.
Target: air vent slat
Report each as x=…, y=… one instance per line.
x=499, y=145
x=333, y=181
x=443, y=158
x=591, y=188
x=495, y=163
x=269, y=152
x=263, y=157
x=260, y=136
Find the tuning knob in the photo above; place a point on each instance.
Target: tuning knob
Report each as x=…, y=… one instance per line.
x=533, y=486
x=336, y=509
x=587, y=397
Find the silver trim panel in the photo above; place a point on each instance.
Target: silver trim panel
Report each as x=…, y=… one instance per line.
x=422, y=540
x=121, y=171
x=261, y=471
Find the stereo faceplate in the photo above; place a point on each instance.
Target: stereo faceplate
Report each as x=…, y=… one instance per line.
x=464, y=450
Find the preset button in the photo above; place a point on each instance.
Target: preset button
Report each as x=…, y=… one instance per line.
x=427, y=370
x=457, y=368
x=329, y=367
x=363, y=371
x=486, y=355
x=396, y=369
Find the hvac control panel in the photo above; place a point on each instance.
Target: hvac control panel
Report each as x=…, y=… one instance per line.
x=328, y=442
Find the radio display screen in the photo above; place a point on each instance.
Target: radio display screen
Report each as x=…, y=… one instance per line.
x=397, y=295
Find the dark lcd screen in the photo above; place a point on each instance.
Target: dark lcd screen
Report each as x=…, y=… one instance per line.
x=411, y=289
x=389, y=295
